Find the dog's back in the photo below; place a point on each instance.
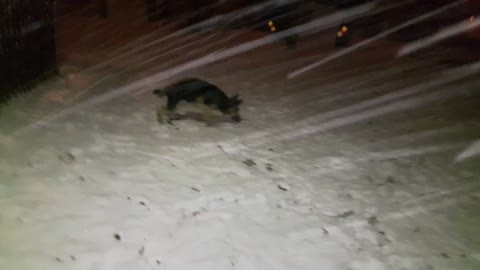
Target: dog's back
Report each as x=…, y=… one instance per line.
x=192, y=89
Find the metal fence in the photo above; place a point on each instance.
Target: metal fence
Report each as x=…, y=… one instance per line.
x=27, y=44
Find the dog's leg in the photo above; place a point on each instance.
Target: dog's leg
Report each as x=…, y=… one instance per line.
x=161, y=113
x=209, y=117
x=165, y=115
x=171, y=109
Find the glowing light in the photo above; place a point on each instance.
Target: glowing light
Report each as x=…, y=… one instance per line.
x=344, y=29
x=339, y=34
x=272, y=26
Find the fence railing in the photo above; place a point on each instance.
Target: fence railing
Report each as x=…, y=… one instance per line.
x=27, y=44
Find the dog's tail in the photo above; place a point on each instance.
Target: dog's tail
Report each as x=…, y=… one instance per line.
x=159, y=92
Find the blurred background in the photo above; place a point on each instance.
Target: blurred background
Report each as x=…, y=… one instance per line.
x=359, y=147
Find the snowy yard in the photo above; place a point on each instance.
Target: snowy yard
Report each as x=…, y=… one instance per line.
x=348, y=167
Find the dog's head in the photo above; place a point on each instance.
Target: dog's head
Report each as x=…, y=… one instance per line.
x=233, y=104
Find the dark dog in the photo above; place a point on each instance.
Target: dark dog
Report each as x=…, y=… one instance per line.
x=198, y=91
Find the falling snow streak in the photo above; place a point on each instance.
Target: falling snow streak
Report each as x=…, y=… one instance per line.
x=318, y=25
x=373, y=39
x=443, y=34
x=470, y=152
x=216, y=21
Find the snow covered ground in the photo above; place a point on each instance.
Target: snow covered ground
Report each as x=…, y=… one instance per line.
x=350, y=166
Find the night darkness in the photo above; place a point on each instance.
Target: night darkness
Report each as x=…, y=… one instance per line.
x=234, y=134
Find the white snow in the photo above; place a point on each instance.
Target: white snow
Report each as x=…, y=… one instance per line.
x=337, y=171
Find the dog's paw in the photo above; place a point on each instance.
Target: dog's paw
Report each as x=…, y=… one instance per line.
x=160, y=119
x=175, y=117
x=237, y=119
x=211, y=123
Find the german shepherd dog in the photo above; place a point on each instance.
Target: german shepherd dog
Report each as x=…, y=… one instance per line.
x=197, y=91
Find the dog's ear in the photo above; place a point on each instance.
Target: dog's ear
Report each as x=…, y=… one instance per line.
x=236, y=100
